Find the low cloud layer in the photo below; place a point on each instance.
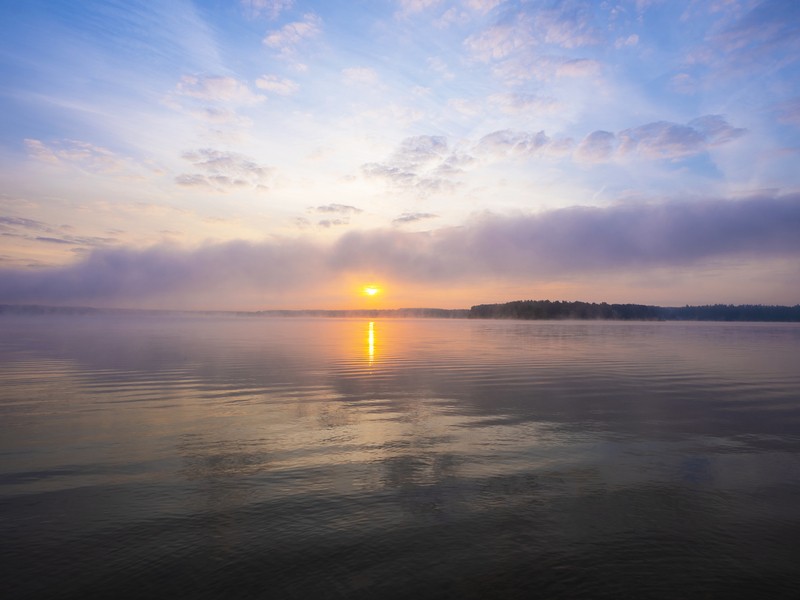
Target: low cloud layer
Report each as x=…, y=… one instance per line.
x=621, y=238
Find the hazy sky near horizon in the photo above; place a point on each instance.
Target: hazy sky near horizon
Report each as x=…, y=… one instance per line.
x=281, y=153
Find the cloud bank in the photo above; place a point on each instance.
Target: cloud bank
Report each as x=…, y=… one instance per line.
x=621, y=238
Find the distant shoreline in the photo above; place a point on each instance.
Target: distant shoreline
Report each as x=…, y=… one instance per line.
x=526, y=310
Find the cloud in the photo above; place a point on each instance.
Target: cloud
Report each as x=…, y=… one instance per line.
x=544, y=67
x=483, y=6
x=767, y=31
x=8, y=222
x=671, y=140
x=630, y=238
x=223, y=171
x=83, y=155
x=500, y=41
x=328, y=223
x=682, y=83
x=32, y=230
x=568, y=26
x=277, y=85
x=217, y=89
x=340, y=209
x=421, y=163
x=270, y=9
x=659, y=140
x=219, y=116
x=452, y=16
x=598, y=146
x=577, y=67
x=716, y=129
x=506, y=142
x=437, y=65
x=516, y=103
x=415, y=217
x=631, y=40
x=360, y=76
x=290, y=36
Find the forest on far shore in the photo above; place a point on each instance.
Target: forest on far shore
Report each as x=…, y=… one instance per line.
x=545, y=309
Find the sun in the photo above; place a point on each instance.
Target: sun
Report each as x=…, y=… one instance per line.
x=371, y=290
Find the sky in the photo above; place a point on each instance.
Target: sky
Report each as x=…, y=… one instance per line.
x=261, y=154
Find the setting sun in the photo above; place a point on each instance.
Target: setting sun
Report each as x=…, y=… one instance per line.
x=371, y=290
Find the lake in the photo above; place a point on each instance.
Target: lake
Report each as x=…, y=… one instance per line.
x=246, y=457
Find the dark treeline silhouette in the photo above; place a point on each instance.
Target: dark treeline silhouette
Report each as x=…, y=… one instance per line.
x=545, y=309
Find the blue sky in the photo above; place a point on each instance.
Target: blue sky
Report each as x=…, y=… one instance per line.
x=280, y=153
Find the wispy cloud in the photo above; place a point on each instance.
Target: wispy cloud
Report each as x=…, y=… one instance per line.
x=271, y=9
x=340, y=209
x=224, y=171
x=516, y=103
x=277, y=85
x=360, y=76
x=502, y=40
x=85, y=156
x=287, y=39
x=507, y=143
x=39, y=231
x=414, y=217
x=221, y=89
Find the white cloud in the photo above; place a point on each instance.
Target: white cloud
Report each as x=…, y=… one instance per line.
x=219, y=116
x=218, y=89
x=287, y=38
x=508, y=143
x=360, y=76
x=567, y=27
x=421, y=164
x=223, y=171
x=407, y=218
x=277, y=85
x=631, y=40
x=437, y=65
x=500, y=41
x=452, y=16
x=579, y=67
x=468, y=108
x=339, y=209
x=516, y=103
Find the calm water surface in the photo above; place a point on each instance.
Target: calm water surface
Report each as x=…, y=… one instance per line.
x=226, y=457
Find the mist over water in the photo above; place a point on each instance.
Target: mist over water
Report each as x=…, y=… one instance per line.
x=222, y=457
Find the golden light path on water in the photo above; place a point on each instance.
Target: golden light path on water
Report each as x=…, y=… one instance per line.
x=371, y=343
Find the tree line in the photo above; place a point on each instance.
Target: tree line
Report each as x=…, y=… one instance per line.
x=545, y=309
